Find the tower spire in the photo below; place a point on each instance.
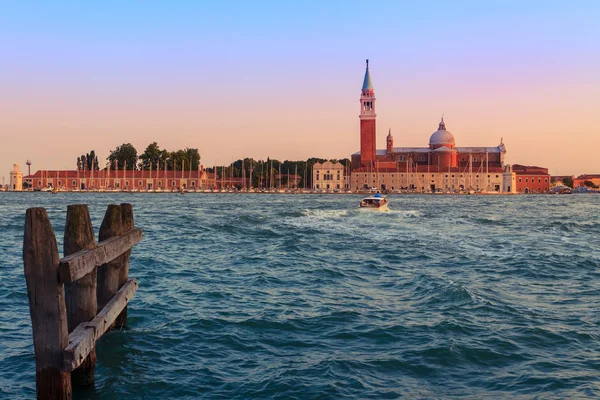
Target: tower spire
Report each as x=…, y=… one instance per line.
x=367, y=83
x=367, y=121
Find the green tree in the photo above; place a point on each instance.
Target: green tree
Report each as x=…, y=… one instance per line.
x=124, y=154
x=568, y=181
x=193, y=159
x=590, y=184
x=86, y=161
x=153, y=155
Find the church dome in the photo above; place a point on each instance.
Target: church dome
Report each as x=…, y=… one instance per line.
x=442, y=136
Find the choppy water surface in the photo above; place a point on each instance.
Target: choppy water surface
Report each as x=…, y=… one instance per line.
x=305, y=296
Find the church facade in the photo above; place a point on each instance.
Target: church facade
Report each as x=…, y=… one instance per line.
x=441, y=166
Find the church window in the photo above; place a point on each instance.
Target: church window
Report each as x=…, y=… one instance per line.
x=59, y=183
x=126, y=183
x=74, y=183
x=526, y=179
x=173, y=183
x=546, y=180
x=476, y=159
x=520, y=180
x=139, y=183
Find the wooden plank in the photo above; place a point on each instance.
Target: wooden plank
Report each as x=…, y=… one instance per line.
x=46, y=306
x=127, y=226
x=80, y=295
x=82, y=342
x=83, y=339
x=78, y=265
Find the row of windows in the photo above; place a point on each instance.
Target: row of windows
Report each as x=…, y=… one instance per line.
x=403, y=158
x=533, y=180
x=433, y=176
x=140, y=183
x=328, y=177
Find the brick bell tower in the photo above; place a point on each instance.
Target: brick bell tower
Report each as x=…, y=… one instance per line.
x=367, y=122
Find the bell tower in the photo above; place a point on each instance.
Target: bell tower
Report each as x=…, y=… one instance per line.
x=367, y=122
x=389, y=148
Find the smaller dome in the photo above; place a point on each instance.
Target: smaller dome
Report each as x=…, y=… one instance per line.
x=441, y=136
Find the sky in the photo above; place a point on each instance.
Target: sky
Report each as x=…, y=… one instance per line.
x=282, y=79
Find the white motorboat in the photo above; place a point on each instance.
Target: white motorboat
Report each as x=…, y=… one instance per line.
x=376, y=202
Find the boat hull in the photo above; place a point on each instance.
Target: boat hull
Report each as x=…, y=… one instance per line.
x=382, y=208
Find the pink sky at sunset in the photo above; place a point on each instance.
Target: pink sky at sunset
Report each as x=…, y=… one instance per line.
x=290, y=91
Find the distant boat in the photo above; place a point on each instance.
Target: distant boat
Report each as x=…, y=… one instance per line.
x=376, y=202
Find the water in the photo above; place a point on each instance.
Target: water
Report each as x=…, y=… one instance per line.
x=305, y=296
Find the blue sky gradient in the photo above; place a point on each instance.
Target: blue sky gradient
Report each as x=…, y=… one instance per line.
x=282, y=79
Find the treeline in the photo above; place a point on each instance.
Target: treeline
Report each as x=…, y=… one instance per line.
x=88, y=162
x=272, y=172
x=263, y=173
x=126, y=156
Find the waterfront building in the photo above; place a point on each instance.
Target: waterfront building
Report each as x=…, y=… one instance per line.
x=120, y=180
x=441, y=166
x=16, y=179
x=328, y=176
x=581, y=179
x=532, y=179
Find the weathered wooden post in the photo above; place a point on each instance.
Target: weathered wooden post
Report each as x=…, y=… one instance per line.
x=108, y=274
x=127, y=225
x=80, y=295
x=46, y=306
x=68, y=322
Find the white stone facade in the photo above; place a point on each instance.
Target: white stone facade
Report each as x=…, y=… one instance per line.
x=427, y=182
x=328, y=176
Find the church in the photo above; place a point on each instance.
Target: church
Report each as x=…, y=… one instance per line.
x=439, y=167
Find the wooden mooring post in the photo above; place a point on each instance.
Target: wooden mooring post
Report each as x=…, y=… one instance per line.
x=73, y=301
